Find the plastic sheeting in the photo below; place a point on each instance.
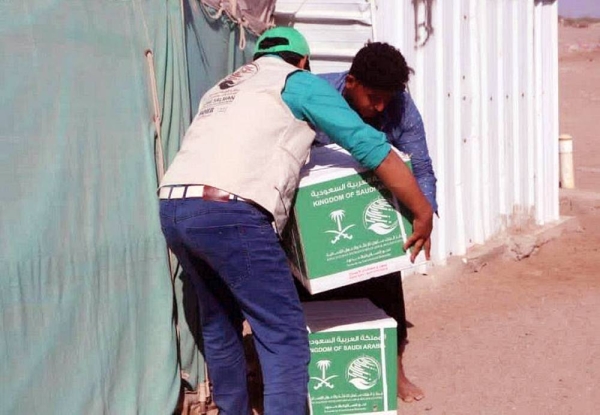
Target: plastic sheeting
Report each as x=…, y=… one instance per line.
x=253, y=15
x=86, y=298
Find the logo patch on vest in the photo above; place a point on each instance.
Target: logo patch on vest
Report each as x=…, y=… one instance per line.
x=239, y=76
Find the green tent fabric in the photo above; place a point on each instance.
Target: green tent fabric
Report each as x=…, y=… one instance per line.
x=86, y=297
x=212, y=49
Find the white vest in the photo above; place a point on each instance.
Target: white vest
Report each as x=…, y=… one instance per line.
x=245, y=140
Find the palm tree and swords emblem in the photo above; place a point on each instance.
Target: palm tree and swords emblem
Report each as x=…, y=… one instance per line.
x=337, y=216
x=323, y=380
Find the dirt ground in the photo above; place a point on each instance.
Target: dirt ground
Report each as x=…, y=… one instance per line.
x=522, y=337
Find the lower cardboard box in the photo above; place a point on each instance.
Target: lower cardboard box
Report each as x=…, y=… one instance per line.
x=353, y=362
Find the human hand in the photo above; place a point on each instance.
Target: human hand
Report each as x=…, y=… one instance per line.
x=421, y=236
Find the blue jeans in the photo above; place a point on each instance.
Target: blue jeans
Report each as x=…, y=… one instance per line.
x=239, y=270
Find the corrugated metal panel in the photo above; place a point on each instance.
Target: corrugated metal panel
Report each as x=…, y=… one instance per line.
x=486, y=82
x=335, y=29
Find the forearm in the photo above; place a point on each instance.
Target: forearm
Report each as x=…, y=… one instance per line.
x=399, y=180
x=397, y=177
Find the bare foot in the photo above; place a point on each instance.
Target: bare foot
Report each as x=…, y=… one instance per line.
x=408, y=391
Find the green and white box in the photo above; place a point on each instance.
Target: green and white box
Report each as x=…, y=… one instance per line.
x=345, y=226
x=353, y=364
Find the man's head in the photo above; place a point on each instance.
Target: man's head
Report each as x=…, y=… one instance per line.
x=286, y=42
x=378, y=72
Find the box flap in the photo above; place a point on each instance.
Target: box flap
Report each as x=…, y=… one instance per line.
x=338, y=315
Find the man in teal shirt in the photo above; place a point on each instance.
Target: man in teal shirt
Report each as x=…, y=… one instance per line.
x=233, y=178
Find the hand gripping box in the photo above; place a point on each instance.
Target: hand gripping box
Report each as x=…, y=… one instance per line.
x=345, y=226
x=353, y=365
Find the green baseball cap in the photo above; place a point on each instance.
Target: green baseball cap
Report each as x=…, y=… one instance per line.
x=285, y=39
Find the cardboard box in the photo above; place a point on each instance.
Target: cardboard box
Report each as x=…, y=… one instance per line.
x=353, y=365
x=345, y=226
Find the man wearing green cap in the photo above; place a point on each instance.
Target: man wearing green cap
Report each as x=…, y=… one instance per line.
x=226, y=197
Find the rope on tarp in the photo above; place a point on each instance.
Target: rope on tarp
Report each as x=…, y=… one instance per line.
x=203, y=390
x=239, y=21
x=158, y=145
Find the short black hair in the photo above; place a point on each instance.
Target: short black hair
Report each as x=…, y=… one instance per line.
x=379, y=65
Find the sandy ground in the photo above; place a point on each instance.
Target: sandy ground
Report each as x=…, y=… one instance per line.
x=579, y=71
x=498, y=336
x=523, y=337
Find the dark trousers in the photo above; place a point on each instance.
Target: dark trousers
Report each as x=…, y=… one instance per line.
x=239, y=271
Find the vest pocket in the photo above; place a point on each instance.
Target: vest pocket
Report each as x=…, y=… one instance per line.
x=289, y=176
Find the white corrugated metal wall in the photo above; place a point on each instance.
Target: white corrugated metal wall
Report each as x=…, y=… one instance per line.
x=486, y=83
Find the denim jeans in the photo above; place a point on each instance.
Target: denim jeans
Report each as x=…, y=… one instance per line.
x=239, y=270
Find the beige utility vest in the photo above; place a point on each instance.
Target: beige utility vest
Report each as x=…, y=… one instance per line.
x=245, y=140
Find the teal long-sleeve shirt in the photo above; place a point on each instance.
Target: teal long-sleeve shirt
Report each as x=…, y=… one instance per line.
x=314, y=100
